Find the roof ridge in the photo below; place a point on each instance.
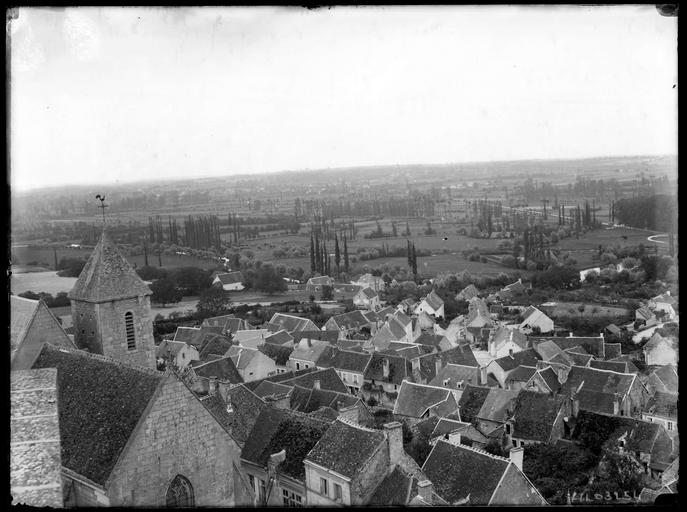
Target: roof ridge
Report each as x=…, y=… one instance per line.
x=480, y=451
x=352, y=423
x=100, y=357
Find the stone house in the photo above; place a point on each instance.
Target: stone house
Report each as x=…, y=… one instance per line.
x=228, y=324
x=178, y=353
x=366, y=298
x=280, y=338
x=538, y=419
x=660, y=351
x=292, y=323
x=665, y=304
x=307, y=353
x=31, y=325
x=376, y=283
x=349, y=365
x=432, y=304
x=383, y=377
x=662, y=408
x=251, y=363
x=204, y=377
x=279, y=354
x=500, y=368
x=416, y=402
x=132, y=436
x=467, y=293
x=229, y=281
x=541, y=380
x=535, y=320
x=349, y=323
x=506, y=341
x=315, y=284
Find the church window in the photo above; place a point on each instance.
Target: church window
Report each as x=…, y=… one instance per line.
x=130, y=333
x=180, y=493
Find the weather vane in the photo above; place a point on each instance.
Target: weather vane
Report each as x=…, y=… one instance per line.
x=102, y=206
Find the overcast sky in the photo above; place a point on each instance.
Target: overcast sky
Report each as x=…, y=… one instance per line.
x=118, y=94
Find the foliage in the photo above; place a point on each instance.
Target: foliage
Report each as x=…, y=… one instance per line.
x=562, y=276
x=213, y=302
x=148, y=273
x=60, y=300
x=191, y=280
x=165, y=292
x=70, y=267
x=265, y=278
x=327, y=292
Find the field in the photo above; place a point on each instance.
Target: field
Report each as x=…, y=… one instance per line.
x=568, y=309
x=48, y=282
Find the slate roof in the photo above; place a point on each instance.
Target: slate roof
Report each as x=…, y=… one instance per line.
x=468, y=292
x=612, y=350
x=328, y=378
x=226, y=323
x=497, y=405
x=279, y=354
x=535, y=415
x=333, y=450
x=521, y=374
x=293, y=323
x=394, y=490
x=353, y=320
x=246, y=407
x=593, y=345
x=453, y=469
x=22, y=312
x=107, y=276
x=230, y=277
x=282, y=429
x=399, y=369
x=34, y=461
x=504, y=334
x=415, y=399
x=528, y=357
x=330, y=336
x=662, y=404
x=223, y=369
x=471, y=401
x=280, y=337
x=616, y=366
x=100, y=402
x=213, y=344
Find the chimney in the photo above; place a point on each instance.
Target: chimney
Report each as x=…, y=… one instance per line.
x=394, y=432
x=492, y=348
x=274, y=460
x=316, y=384
x=425, y=489
x=516, y=456
x=437, y=365
x=571, y=335
x=385, y=367
x=575, y=405
x=483, y=375
x=309, y=342
x=454, y=438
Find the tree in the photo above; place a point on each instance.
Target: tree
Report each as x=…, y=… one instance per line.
x=414, y=262
x=165, y=292
x=327, y=292
x=313, y=265
x=346, y=267
x=337, y=254
x=213, y=302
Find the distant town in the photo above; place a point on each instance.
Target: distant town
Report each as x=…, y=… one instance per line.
x=465, y=334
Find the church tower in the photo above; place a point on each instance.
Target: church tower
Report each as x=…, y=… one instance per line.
x=111, y=308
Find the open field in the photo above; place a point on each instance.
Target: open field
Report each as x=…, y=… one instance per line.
x=568, y=309
x=609, y=237
x=37, y=282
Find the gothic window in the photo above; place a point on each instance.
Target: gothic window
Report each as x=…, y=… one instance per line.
x=180, y=493
x=130, y=332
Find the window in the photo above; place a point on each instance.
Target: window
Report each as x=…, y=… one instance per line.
x=251, y=480
x=355, y=378
x=337, y=492
x=261, y=491
x=323, y=487
x=180, y=493
x=307, y=365
x=670, y=425
x=291, y=499
x=507, y=428
x=446, y=381
x=130, y=333
x=298, y=366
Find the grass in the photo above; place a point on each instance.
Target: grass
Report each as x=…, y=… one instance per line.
x=571, y=309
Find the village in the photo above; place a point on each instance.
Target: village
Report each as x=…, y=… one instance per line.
x=370, y=408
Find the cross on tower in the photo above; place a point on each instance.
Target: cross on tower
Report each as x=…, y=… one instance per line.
x=102, y=206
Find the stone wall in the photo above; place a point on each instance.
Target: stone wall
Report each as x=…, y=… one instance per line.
x=177, y=437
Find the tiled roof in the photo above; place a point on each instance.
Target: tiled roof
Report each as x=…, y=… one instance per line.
x=330, y=336
x=657, y=340
x=309, y=400
x=309, y=350
x=668, y=376
x=279, y=354
x=107, y=276
x=602, y=381
x=551, y=378
x=246, y=407
x=22, y=312
x=218, y=408
x=662, y=404
x=222, y=369
x=227, y=323
x=346, y=360
x=293, y=323
x=433, y=300
x=612, y=350
x=394, y=490
x=319, y=281
x=169, y=347
x=447, y=426
x=574, y=358
x=471, y=401
x=593, y=345
x=325, y=413
x=431, y=339
x=267, y=388
x=665, y=297
x=351, y=320
x=468, y=292
x=333, y=451
x=399, y=368
x=282, y=429
x=100, y=402
x=454, y=374
x=616, y=366
x=527, y=357
x=279, y=377
x=614, y=329
x=535, y=415
x=279, y=338
x=213, y=344
x=402, y=318
x=497, y=405
x=462, y=354
x=504, y=334
x=521, y=374
x=459, y=472
x=230, y=277
x=328, y=380
x=187, y=335
x=368, y=292
x=645, y=312
x=415, y=399
x=35, y=462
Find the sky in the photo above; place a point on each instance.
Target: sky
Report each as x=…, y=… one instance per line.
x=107, y=95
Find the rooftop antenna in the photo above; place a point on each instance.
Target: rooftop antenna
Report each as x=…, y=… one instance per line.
x=102, y=206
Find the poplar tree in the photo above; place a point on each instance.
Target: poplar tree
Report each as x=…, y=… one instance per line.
x=345, y=254
x=337, y=254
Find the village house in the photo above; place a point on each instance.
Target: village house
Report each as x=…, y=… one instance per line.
x=467, y=293
x=584, y=273
x=664, y=305
x=383, y=376
x=280, y=338
x=307, y=353
x=34, y=460
x=540, y=380
x=432, y=304
x=593, y=345
x=366, y=298
x=315, y=284
x=273, y=454
x=500, y=368
x=279, y=354
x=406, y=306
x=229, y=281
x=437, y=341
x=535, y=321
x=348, y=324
x=644, y=316
x=251, y=363
x=350, y=366
x=177, y=353
x=663, y=379
x=31, y=325
x=497, y=408
x=660, y=351
x=620, y=366
x=228, y=324
x=463, y=475
x=419, y=401
x=133, y=436
x=478, y=323
x=662, y=408
x=338, y=475
x=292, y=323
x=506, y=341
x=455, y=377
x=538, y=419
x=511, y=291
x=216, y=374
x=376, y=283
x=251, y=338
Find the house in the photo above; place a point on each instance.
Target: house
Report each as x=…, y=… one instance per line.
x=349, y=323
x=664, y=304
x=178, y=353
x=213, y=345
x=307, y=353
x=500, y=368
x=463, y=475
x=660, y=351
x=467, y=293
x=383, y=376
x=292, y=323
x=251, y=363
x=189, y=335
x=132, y=436
x=400, y=489
x=376, y=283
x=434, y=340
x=535, y=321
x=507, y=341
x=497, y=408
x=432, y=304
x=663, y=379
x=229, y=281
x=614, y=330
x=344, y=405
x=228, y=324
x=252, y=338
x=350, y=366
x=662, y=408
x=280, y=338
x=419, y=401
x=605, y=391
x=593, y=345
x=644, y=334
x=621, y=366
x=207, y=377
x=390, y=331
x=335, y=474
x=613, y=350
x=242, y=407
x=31, y=325
x=541, y=380
x=315, y=284
x=425, y=366
x=644, y=316
x=34, y=459
x=327, y=379
x=273, y=454
x=538, y=419
x=512, y=290
x=328, y=336
x=406, y=306
x=478, y=323
x=471, y=401
x=584, y=273
x=456, y=377
x=366, y=298
x=279, y=354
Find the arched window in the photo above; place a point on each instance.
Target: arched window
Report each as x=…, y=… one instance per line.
x=130, y=332
x=180, y=493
